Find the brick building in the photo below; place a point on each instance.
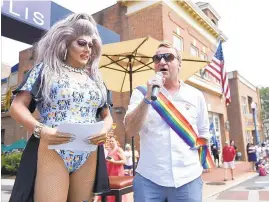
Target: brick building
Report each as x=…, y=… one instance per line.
x=10, y=129
x=240, y=113
x=190, y=27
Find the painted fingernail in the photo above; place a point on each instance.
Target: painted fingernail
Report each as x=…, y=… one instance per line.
x=71, y=139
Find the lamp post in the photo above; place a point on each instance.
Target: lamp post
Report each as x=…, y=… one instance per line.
x=254, y=110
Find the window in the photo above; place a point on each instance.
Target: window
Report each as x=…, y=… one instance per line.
x=203, y=56
x=13, y=79
x=4, y=88
x=178, y=42
x=244, y=105
x=194, y=51
x=217, y=123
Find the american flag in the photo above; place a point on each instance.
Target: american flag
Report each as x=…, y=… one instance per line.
x=217, y=70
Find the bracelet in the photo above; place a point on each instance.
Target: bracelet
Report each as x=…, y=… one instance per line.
x=37, y=130
x=146, y=101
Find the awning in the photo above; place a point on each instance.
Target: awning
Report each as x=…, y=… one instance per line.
x=19, y=144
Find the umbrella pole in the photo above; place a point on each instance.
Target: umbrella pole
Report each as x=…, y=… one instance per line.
x=131, y=89
x=133, y=156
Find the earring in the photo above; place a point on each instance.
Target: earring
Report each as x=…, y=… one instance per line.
x=65, y=54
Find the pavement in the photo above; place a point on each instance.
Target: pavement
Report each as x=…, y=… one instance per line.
x=214, y=180
x=215, y=177
x=252, y=190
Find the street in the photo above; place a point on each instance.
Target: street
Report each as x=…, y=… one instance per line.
x=253, y=190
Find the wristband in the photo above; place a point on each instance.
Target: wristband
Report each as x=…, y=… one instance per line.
x=147, y=101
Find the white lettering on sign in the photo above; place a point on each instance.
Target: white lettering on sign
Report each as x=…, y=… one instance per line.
x=26, y=13
x=11, y=9
x=38, y=18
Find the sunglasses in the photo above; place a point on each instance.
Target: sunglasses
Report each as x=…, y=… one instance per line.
x=168, y=57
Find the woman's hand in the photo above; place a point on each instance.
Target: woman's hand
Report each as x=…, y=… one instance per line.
x=111, y=160
x=98, y=139
x=52, y=137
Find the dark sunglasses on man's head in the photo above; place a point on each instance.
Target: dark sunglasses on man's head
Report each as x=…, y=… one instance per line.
x=168, y=57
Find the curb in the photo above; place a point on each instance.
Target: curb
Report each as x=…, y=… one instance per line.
x=6, y=187
x=7, y=184
x=231, y=185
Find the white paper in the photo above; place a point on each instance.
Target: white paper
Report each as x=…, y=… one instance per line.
x=81, y=132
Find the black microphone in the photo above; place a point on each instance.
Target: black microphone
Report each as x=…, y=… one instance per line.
x=155, y=88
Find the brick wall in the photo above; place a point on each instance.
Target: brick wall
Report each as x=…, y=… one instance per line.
x=25, y=63
x=235, y=113
x=235, y=119
x=172, y=21
x=114, y=19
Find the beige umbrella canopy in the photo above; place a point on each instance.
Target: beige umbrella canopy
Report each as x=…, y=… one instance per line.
x=128, y=64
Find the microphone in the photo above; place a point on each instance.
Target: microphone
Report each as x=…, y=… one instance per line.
x=155, y=88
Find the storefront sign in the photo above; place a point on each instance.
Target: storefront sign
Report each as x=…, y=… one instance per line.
x=36, y=13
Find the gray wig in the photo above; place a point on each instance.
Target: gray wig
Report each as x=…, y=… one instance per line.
x=51, y=48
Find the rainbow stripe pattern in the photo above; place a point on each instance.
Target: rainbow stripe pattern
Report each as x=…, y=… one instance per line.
x=181, y=126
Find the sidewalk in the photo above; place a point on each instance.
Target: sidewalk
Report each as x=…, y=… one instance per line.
x=241, y=174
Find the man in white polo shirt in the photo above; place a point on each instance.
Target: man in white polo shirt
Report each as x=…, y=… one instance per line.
x=168, y=169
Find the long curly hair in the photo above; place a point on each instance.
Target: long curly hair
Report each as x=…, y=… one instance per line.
x=51, y=48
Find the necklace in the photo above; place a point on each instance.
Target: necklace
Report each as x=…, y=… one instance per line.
x=76, y=70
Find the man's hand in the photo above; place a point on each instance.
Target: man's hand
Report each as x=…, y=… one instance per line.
x=157, y=80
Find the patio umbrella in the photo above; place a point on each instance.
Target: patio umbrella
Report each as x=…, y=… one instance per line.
x=128, y=64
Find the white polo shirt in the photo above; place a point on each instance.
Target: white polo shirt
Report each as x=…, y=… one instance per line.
x=165, y=158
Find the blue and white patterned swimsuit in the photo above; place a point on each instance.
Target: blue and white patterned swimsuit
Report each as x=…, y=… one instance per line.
x=71, y=101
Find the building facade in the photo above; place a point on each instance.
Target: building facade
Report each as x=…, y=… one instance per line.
x=191, y=28
x=10, y=129
x=240, y=113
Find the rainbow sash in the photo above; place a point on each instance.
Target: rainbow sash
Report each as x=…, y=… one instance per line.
x=181, y=126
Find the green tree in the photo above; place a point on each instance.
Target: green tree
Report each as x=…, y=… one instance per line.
x=264, y=93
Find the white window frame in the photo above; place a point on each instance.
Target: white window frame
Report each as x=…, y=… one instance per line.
x=196, y=50
x=244, y=105
x=176, y=37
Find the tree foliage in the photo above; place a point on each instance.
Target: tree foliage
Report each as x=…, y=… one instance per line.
x=264, y=94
